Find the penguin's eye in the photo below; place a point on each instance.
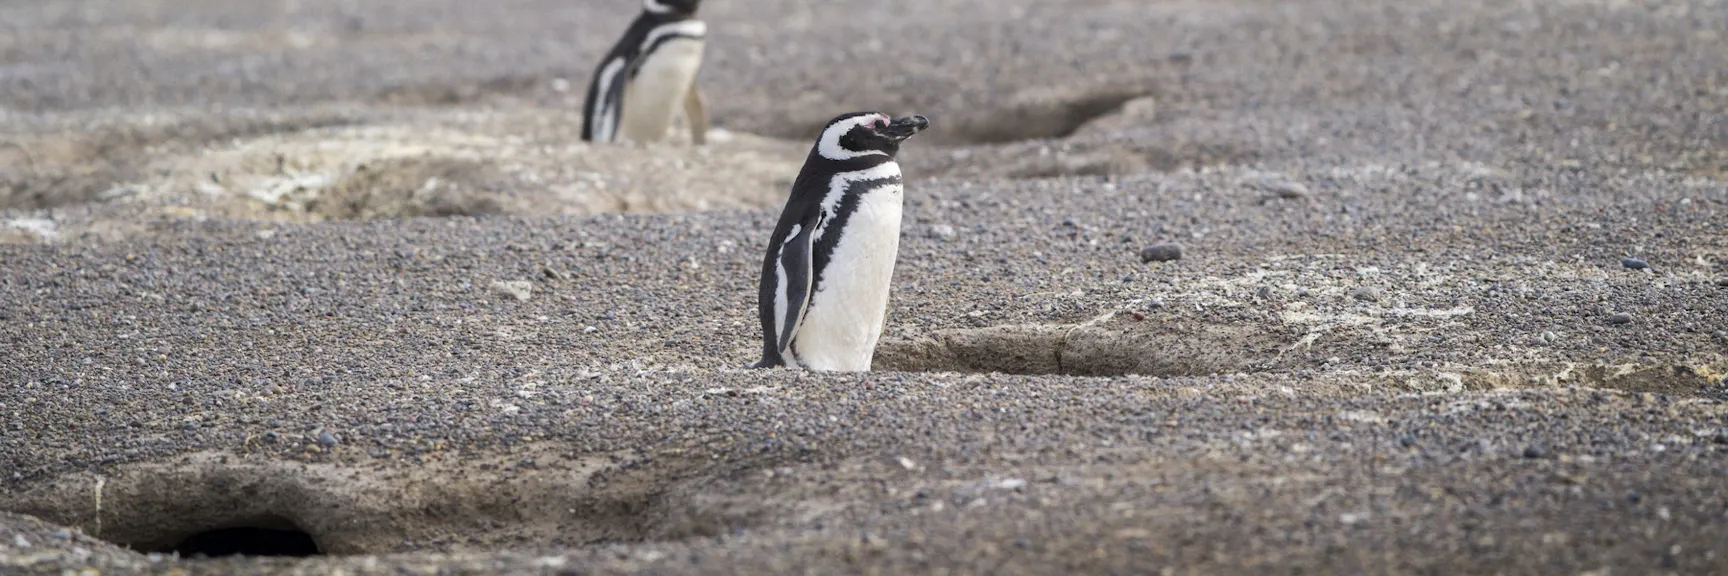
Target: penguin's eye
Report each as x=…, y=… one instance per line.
x=880, y=123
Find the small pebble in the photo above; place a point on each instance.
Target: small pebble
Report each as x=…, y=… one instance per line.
x=1263, y=293
x=1550, y=337
x=942, y=231
x=1620, y=318
x=1366, y=293
x=1633, y=263
x=1407, y=441
x=326, y=440
x=62, y=534
x=1723, y=282
x=1535, y=452
x=521, y=290
x=551, y=273
x=1284, y=189
x=1161, y=252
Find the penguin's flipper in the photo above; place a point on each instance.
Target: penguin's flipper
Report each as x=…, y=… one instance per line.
x=796, y=272
x=601, y=110
x=696, y=114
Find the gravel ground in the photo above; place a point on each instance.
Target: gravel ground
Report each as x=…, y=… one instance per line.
x=1449, y=297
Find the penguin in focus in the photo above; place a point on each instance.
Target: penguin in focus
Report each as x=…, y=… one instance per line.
x=824, y=292
x=649, y=77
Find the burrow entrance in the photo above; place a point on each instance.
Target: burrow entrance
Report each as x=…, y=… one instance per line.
x=207, y=505
x=1086, y=350
x=264, y=536
x=1104, y=348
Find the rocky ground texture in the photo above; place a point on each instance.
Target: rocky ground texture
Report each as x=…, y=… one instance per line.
x=1184, y=287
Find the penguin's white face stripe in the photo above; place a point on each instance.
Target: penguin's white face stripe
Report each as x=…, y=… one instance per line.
x=694, y=28
x=655, y=6
x=829, y=147
x=840, y=182
x=604, y=116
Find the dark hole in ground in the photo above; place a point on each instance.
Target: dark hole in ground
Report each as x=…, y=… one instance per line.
x=247, y=541
x=266, y=536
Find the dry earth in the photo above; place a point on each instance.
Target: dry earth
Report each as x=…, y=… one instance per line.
x=339, y=277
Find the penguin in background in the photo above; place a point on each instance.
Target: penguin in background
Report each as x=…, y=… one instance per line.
x=649, y=77
x=824, y=290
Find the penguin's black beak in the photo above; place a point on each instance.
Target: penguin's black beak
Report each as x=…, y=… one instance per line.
x=903, y=128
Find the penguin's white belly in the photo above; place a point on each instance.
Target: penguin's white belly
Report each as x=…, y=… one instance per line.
x=844, y=318
x=656, y=95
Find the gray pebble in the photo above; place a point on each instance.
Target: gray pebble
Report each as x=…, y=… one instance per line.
x=1550, y=337
x=521, y=290
x=1633, y=263
x=1161, y=252
x=1366, y=293
x=1723, y=281
x=326, y=439
x=1535, y=452
x=1620, y=318
x=1284, y=189
x=1263, y=293
x=62, y=534
x=942, y=231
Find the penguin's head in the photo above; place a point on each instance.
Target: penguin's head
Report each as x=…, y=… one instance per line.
x=866, y=134
x=670, y=7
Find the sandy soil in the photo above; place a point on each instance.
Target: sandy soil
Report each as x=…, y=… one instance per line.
x=1450, y=299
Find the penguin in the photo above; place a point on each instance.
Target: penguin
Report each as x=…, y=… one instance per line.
x=648, y=75
x=824, y=292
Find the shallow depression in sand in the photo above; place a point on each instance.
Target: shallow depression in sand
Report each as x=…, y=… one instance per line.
x=1101, y=348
